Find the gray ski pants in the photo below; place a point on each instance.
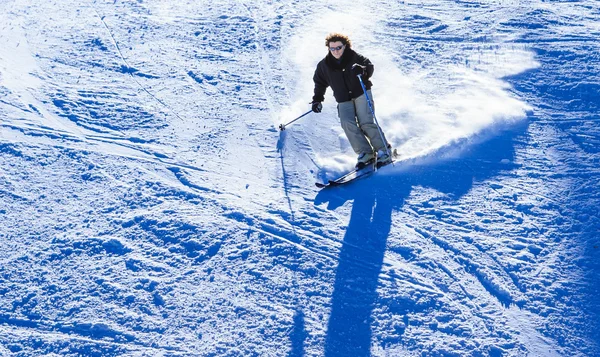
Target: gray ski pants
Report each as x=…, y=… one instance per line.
x=358, y=124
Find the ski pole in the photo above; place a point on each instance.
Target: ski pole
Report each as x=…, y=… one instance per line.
x=282, y=126
x=387, y=150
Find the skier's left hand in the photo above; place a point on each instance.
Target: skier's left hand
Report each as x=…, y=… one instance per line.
x=357, y=69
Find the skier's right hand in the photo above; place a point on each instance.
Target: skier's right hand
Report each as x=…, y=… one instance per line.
x=316, y=107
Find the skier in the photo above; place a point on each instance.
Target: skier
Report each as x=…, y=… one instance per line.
x=339, y=70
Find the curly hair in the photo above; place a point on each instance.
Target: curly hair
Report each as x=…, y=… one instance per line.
x=334, y=37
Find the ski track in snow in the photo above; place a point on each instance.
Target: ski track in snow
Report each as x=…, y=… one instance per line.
x=149, y=206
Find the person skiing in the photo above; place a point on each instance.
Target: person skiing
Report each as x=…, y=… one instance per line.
x=339, y=70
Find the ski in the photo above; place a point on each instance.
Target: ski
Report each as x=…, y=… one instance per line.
x=362, y=172
x=350, y=176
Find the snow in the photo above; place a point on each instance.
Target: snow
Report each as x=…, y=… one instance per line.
x=150, y=207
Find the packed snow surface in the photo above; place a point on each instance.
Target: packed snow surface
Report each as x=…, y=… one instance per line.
x=150, y=207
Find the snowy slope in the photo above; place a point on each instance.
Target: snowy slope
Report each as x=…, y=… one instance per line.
x=150, y=207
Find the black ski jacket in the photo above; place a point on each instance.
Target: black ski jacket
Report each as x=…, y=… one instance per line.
x=338, y=75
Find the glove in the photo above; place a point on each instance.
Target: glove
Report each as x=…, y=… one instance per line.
x=316, y=107
x=357, y=69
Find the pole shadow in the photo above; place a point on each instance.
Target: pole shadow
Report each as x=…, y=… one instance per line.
x=298, y=334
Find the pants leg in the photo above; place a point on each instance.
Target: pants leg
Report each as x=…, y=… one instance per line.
x=356, y=137
x=367, y=124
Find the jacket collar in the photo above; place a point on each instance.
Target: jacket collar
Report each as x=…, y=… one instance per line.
x=339, y=65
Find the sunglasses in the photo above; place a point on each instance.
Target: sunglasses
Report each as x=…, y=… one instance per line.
x=336, y=48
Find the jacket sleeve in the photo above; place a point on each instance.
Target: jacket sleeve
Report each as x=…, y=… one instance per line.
x=320, y=84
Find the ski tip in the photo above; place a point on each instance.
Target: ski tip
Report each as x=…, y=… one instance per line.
x=320, y=185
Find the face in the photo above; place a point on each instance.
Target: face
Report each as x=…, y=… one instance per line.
x=337, y=49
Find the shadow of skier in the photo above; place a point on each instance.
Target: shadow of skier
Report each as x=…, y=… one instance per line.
x=374, y=200
x=357, y=276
